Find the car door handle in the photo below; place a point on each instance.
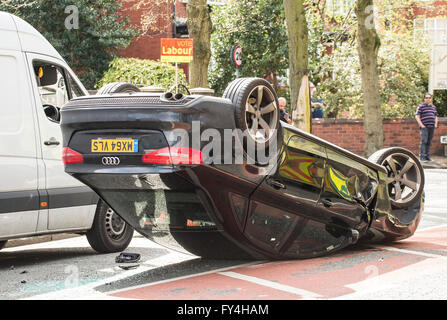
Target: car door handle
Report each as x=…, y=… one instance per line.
x=51, y=143
x=276, y=184
x=327, y=203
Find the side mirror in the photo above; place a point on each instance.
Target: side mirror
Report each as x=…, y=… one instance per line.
x=52, y=112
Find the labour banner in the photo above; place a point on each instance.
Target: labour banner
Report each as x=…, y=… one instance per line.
x=176, y=50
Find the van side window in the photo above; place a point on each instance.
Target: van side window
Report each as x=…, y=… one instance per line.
x=52, y=87
x=74, y=87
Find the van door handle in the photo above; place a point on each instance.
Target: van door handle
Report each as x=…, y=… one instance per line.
x=276, y=184
x=51, y=142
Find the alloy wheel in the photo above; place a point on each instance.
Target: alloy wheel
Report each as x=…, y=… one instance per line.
x=261, y=114
x=404, y=178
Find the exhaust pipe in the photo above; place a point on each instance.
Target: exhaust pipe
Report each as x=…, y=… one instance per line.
x=178, y=96
x=168, y=96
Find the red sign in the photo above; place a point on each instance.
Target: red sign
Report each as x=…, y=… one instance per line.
x=176, y=50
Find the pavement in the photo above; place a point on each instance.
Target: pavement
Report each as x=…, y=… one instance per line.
x=439, y=162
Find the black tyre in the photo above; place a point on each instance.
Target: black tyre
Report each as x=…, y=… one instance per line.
x=118, y=87
x=405, y=175
x=3, y=244
x=109, y=232
x=256, y=109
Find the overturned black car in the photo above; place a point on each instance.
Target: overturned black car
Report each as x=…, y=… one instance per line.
x=224, y=178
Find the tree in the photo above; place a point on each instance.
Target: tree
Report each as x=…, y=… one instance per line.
x=86, y=33
x=257, y=26
x=297, y=35
x=199, y=29
x=368, y=48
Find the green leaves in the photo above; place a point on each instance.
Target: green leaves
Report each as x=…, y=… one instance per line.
x=142, y=72
x=258, y=27
x=89, y=49
x=403, y=76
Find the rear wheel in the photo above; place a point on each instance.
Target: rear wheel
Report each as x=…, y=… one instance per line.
x=256, y=111
x=118, y=87
x=109, y=232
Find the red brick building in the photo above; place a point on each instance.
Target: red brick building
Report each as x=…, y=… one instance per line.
x=158, y=19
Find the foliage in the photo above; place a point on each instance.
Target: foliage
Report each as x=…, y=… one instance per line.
x=340, y=85
x=258, y=27
x=142, y=72
x=88, y=49
x=403, y=67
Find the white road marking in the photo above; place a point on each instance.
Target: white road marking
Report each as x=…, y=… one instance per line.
x=308, y=295
x=393, y=279
x=429, y=216
x=432, y=227
x=86, y=292
x=184, y=277
x=413, y=252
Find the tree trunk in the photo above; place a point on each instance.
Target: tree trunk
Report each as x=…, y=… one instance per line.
x=199, y=29
x=297, y=34
x=368, y=47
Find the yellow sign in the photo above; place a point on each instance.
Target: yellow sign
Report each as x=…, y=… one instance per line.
x=176, y=50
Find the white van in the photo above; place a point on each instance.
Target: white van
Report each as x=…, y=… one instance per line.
x=36, y=196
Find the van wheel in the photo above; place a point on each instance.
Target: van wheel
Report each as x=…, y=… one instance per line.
x=3, y=244
x=118, y=87
x=109, y=232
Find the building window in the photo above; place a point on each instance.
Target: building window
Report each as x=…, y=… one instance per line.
x=434, y=29
x=339, y=7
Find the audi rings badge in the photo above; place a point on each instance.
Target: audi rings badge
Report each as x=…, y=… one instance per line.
x=110, y=161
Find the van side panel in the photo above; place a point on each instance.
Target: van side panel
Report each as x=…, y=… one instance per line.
x=8, y=33
x=18, y=152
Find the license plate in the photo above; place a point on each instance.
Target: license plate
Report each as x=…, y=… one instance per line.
x=114, y=145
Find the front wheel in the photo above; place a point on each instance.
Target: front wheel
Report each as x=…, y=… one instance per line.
x=405, y=175
x=117, y=87
x=109, y=232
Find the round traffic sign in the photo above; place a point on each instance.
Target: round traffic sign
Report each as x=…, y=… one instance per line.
x=236, y=55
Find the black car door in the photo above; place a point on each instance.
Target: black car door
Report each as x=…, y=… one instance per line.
x=285, y=201
x=348, y=188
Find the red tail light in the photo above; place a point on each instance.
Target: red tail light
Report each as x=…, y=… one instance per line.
x=173, y=155
x=69, y=156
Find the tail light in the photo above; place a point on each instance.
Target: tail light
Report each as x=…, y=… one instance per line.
x=69, y=156
x=173, y=155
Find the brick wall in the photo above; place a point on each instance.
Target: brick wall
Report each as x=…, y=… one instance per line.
x=148, y=46
x=348, y=134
